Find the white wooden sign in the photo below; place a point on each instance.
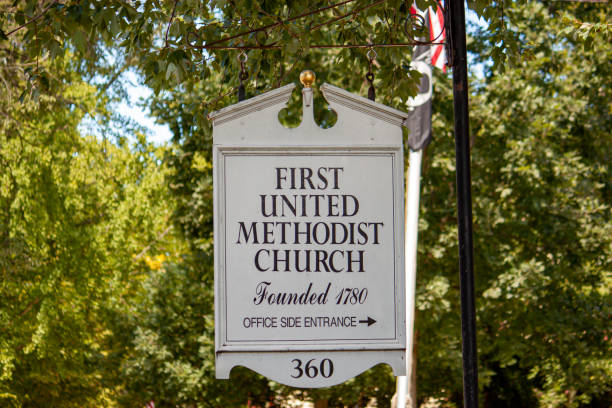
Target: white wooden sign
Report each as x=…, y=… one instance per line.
x=309, y=268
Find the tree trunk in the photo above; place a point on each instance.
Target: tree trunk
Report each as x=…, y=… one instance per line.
x=320, y=404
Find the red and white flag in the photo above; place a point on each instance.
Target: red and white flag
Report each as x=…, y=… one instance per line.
x=437, y=34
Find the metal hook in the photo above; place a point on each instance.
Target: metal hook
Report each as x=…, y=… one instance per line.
x=371, y=54
x=243, y=57
x=414, y=23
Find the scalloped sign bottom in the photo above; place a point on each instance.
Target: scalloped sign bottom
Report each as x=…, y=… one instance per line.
x=311, y=369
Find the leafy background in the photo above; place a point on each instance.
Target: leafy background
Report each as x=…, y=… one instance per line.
x=106, y=239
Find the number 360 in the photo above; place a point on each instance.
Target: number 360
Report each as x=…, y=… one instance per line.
x=326, y=368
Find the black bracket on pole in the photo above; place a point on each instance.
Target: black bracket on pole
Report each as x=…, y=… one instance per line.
x=448, y=47
x=458, y=58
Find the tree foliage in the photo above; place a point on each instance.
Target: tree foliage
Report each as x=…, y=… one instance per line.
x=541, y=153
x=80, y=219
x=101, y=305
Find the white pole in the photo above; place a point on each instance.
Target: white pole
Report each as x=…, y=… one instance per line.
x=410, y=253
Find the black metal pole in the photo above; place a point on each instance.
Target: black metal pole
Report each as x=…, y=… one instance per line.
x=464, y=204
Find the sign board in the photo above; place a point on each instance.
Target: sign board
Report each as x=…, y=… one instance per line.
x=309, y=268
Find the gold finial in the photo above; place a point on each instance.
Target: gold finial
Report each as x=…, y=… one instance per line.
x=307, y=78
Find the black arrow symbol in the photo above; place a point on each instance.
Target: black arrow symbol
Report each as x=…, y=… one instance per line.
x=370, y=321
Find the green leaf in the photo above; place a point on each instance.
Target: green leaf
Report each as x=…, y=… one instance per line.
x=114, y=26
x=20, y=18
x=80, y=41
x=172, y=72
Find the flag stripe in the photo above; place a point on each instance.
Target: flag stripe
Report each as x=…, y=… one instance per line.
x=437, y=33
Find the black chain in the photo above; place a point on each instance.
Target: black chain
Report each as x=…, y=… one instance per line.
x=370, y=76
x=243, y=76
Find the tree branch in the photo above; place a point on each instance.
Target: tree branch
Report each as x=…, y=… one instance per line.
x=273, y=25
x=115, y=76
x=170, y=22
x=145, y=249
x=23, y=312
x=29, y=307
x=34, y=19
